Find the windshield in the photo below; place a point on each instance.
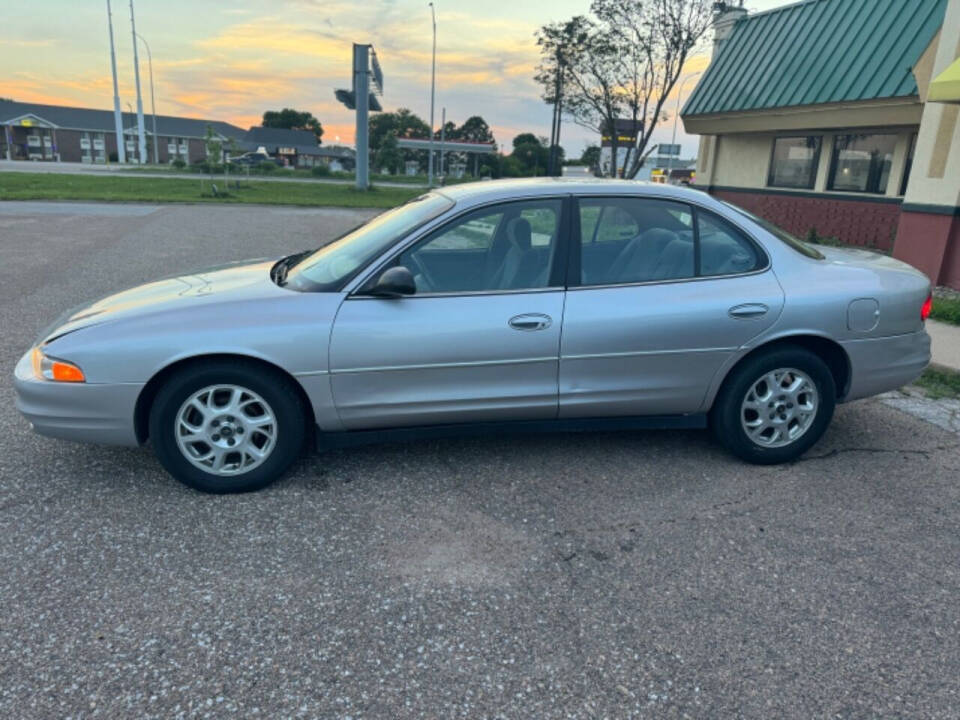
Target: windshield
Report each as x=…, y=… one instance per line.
x=782, y=235
x=331, y=266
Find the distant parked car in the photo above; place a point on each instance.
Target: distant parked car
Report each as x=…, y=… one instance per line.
x=252, y=159
x=518, y=305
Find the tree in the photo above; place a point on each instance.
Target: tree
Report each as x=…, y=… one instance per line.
x=621, y=64
x=388, y=155
x=293, y=120
x=525, y=139
x=530, y=155
x=591, y=157
x=404, y=124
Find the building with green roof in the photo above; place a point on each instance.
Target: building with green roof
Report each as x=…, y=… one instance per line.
x=837, y=117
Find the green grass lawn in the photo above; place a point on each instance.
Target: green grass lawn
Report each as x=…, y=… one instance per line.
x=946, y=309
x=52, y=186
x=939, y=383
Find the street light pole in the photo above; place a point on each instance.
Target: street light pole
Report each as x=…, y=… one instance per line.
x=676, y=116
x=141, y=132
x=433, y=86
x=117, y=117
x=153, y=103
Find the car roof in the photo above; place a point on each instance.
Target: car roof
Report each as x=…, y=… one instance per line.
x=482, y=192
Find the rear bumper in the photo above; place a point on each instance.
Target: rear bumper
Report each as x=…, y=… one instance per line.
x=882, y=364
x=85, y=412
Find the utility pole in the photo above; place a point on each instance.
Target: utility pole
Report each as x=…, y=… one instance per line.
x=361, y=89
x=153, y=103
x=676, y=116
x=141, y=132
x=554, y=159
x=443, y=138
x=117, y=117
x=433, y=87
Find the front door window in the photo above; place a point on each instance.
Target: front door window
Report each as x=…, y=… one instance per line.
x=500, y=248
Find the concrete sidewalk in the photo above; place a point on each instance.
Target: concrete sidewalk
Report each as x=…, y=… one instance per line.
x=946, y=344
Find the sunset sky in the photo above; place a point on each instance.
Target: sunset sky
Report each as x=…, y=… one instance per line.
x=233, y=60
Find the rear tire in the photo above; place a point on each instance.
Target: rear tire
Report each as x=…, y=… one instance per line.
x=228, y=426
x=774, y=406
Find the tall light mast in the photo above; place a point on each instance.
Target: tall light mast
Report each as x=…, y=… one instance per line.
x=141, y=132
x=117, y=117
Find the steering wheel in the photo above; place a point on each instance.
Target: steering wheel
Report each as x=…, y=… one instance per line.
x=421, y=270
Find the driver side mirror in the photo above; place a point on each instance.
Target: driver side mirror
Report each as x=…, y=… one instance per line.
x=393, y=283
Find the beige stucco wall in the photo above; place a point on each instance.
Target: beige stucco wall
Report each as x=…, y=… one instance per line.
x=742, y=160
x=935, y=179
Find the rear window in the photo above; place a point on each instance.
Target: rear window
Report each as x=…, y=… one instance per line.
x=782, y=235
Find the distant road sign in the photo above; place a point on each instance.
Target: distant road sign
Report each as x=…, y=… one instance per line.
x=348, y=98
x=668, y=150
x=377, y=71
x=626, y=133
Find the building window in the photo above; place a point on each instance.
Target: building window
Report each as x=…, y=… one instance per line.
x=908, y=166
x=794, y=162
x=861, y=163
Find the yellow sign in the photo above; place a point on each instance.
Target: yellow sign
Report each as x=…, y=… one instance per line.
x=946, y=86
x=26, y=122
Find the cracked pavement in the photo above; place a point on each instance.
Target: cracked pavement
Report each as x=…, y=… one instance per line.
x=615, y=575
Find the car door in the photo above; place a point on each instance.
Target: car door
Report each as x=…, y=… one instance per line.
x=661, y=294
x=480, y=338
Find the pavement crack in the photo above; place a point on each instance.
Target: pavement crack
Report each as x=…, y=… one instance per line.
x=877, y=451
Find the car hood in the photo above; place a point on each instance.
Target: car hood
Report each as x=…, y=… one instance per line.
x=238, y=281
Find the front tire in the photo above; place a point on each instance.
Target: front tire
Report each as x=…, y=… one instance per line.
x=227, y=426
x=775, y=406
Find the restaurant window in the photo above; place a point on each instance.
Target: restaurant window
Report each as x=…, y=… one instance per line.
x=908, y=166
x=794, y=162
x=861, y=163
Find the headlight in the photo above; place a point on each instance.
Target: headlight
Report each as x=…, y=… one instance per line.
x=46, y=368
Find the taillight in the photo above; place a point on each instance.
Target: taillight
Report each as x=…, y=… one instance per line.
x=927, y=307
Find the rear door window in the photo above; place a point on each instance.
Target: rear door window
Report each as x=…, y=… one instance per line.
x=628, y=240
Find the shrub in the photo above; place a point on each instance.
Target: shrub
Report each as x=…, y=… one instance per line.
x=320, y=171
x=267, y=167
x=179, y=163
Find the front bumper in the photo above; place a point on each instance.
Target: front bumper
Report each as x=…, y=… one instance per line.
x=85, y=412
x=879, y=365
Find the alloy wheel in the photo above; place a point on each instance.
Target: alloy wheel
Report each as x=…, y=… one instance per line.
x=226, y=429
x=779, y=407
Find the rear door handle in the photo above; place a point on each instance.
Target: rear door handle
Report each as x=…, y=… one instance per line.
x=531, y=321
x=748, y=310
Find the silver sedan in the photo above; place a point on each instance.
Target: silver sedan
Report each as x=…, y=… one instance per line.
x=503, y=306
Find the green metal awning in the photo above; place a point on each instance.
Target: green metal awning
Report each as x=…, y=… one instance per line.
x=945, y=87
x=818, y=51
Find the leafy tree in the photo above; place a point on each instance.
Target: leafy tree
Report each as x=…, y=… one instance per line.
x=293, y=120
x=591, y=157
x=404, y=124
x=388, y=155
x=621, y=64
x=475, y=129
x=530, y=153
x=525, y=139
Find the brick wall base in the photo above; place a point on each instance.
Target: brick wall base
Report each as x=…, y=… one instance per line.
x=931, y=242
x=867, y=223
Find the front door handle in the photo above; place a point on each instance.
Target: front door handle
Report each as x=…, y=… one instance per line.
x=531, y=321
x=749, y=310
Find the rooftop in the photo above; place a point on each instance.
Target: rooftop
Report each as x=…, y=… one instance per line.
x=74, y=118
x=819, y=51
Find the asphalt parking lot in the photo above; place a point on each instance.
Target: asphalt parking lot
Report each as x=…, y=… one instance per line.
x=627, y=575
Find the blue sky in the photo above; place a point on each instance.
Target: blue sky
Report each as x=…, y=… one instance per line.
x=233, y=60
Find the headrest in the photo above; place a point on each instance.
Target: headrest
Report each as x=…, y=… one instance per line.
x=519, y=232
x=662, y=236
